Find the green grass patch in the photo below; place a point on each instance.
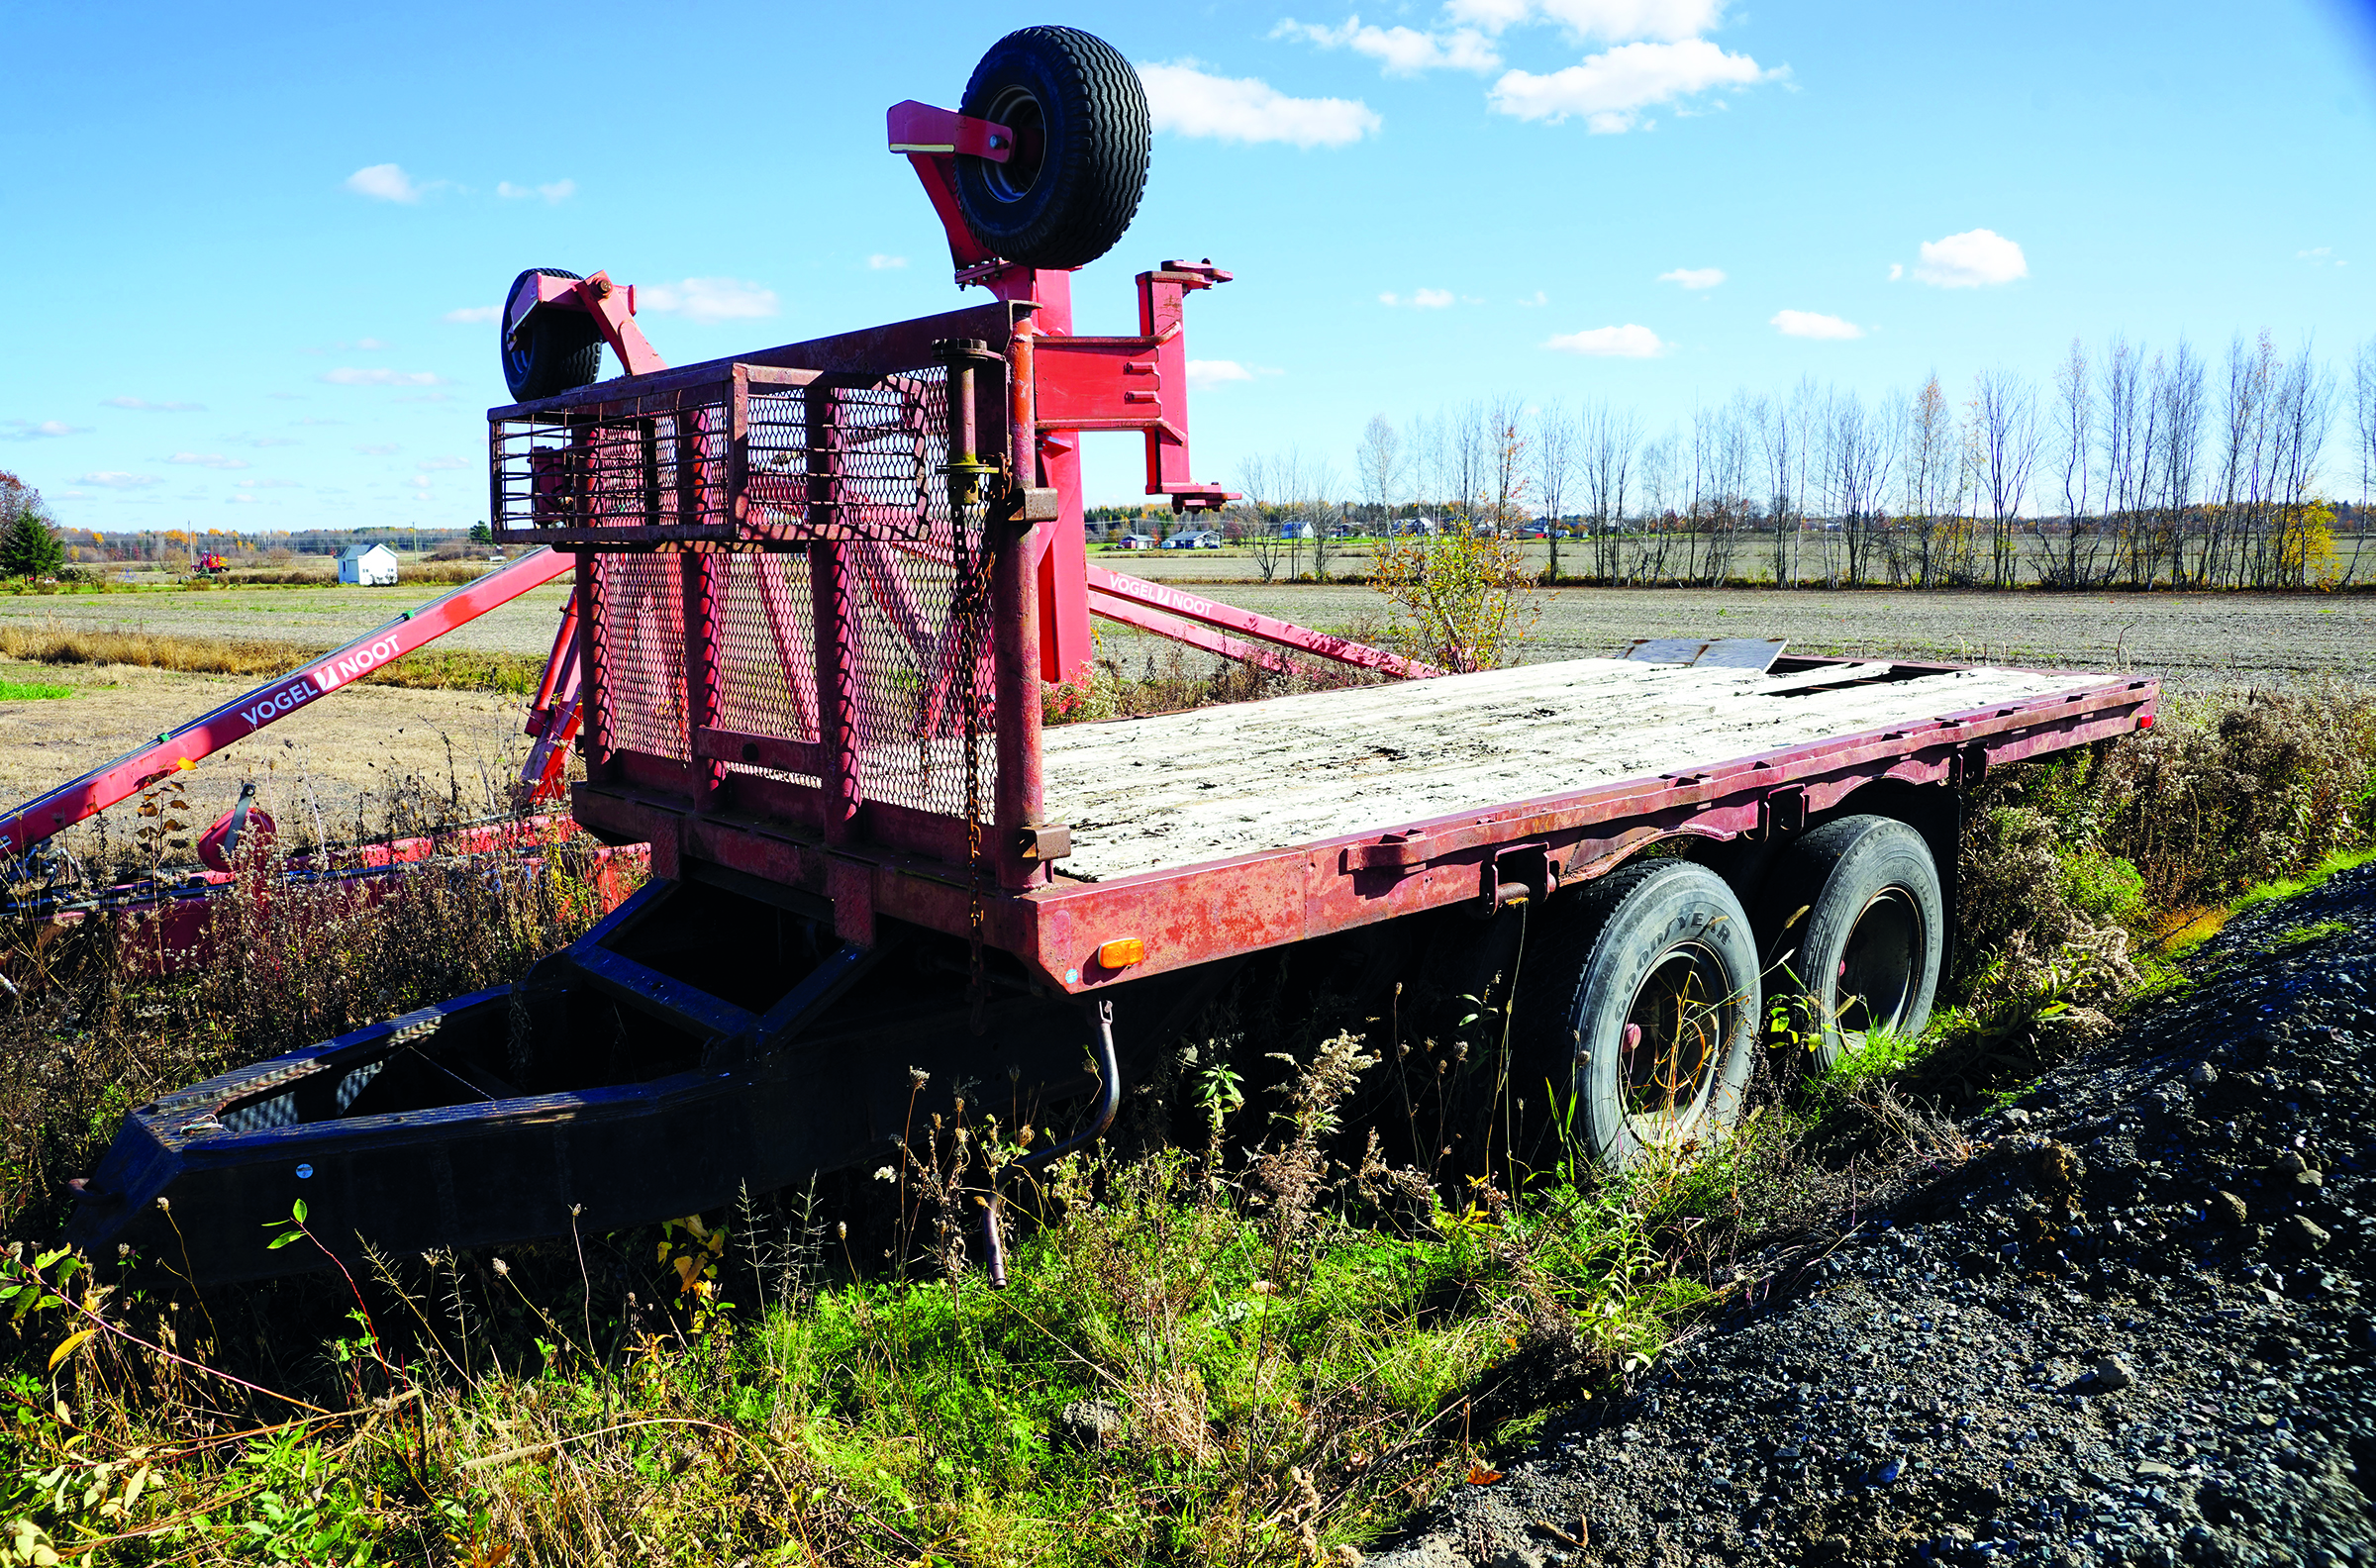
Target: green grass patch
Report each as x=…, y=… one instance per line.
x=32, y=691
x=2289, y=887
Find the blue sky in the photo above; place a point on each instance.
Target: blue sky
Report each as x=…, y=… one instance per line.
x=245, y=246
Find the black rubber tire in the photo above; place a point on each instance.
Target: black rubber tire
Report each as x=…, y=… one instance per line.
x=1079, y=115
x=1646, y=935
x=553, y=351
x=1855, y=931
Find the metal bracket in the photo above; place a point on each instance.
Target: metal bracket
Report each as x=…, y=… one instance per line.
x=1519, y=874
x=1782, y=811
x=1040, y=844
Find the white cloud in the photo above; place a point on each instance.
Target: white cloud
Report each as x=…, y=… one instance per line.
x=1808, y=323
x=386, y=183
x=113, y=479
x=1896, y=270
x=1205, y=374
x=1400, y=51
x=1611, y=89
x=379, y=375
x=377, y=449
x=559, y=190
x=420, y=481
x=1694, y=277
x=270, y=484
x=1628, y=341
x=878, y=262
x=1612, y=21
x=27, y=429
x=2321, y=255
x=147, y=407
x=440, y=462
x=1971, y=259
x=712, y=298
x=470, y=315
x=1189, y=102
x=1538, y=298
x=206, y=460
x=367, y=344
x=1420, y=299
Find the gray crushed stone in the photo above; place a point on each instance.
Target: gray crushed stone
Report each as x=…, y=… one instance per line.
x=2133, y=1328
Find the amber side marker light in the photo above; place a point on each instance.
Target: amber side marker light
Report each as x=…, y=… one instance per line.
x=1121, y=952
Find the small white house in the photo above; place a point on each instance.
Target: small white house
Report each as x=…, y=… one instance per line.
x=372, y=565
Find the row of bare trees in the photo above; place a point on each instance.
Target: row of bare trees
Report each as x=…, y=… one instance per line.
x=2134, y=468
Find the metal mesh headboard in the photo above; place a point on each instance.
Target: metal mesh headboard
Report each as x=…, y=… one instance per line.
x=769, y=552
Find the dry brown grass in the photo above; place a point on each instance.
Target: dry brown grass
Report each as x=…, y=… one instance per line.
x=414, y=574
x=444, y=669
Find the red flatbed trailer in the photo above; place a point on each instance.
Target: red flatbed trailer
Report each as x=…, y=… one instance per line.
x=817, y=598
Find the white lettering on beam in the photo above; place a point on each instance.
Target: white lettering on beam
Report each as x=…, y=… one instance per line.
x=320, y=681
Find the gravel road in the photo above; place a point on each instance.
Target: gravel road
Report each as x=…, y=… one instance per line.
x=2123, y=1321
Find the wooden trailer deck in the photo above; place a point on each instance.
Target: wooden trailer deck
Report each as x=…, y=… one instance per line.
x=1181, y=789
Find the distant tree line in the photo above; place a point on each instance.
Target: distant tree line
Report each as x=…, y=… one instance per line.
x=2130, y=469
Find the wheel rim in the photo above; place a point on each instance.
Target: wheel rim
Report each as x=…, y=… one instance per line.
x=1018, y=109
x=1874, y=984
x=1673, y=1040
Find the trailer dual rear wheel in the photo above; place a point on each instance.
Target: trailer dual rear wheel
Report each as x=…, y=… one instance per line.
x=1071, y=184
x=554, y=351
x=1855, y=927
x=1647, y=987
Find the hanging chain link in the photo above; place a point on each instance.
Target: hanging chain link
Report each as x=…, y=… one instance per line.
x=971, y=608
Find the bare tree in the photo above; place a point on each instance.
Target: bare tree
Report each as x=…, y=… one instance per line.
x=2004, y=441
x=1555, y=464
x=1378, y=462
x=1859, y=449
x=1611, y=439
x=1320, y=507
x=2076, y=455
x=1257, y=481
x=1932, y=484
x=2174, y=450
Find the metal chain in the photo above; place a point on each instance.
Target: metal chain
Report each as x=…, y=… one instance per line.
x=972, y=601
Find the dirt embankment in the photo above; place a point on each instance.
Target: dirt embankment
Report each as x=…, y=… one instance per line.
x=2125, y=1320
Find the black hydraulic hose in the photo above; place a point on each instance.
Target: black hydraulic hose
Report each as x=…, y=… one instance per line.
x=1109, y=1101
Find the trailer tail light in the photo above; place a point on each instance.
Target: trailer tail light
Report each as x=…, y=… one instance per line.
x=2145, y=722
x=1121, y=952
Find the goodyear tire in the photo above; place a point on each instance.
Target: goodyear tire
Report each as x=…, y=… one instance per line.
x=1072, y=182
x=1644, y=994
x=554, y=351
x=1856, y=929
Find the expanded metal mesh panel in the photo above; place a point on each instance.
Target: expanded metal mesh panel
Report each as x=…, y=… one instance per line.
x=610, y=470
x=912, y=680
x=869, y=610
x=861, y=461
x=639, y=629
x=762, y=454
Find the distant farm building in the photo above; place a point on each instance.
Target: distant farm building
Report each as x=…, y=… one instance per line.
x=372, y=565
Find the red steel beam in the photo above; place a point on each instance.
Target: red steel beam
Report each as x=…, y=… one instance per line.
x=1124, y=593
x=128, y=774
x=1217, y=642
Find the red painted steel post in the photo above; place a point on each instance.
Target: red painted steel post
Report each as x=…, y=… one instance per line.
x=1015, y=606
x=594, y=693
x=1060, y=551
x=701, y=574
x=835, y=611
